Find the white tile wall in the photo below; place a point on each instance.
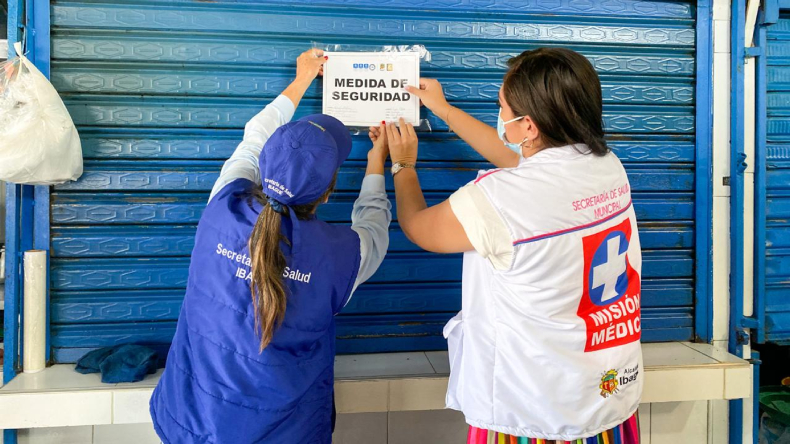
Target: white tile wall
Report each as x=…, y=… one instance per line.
x=644, y=423
x=721, y=123
x=662, y=387
x=417, y=394
x=748, y=243
x=721, y=169
x=721, y=268
x=31, y=409
x=721, y=9
x=718, y=412
x=748, y=112
x=721, y=36
x=738, y=383
x=752, y=9
x=679, y=422
x=131, y=407
x=361, y=396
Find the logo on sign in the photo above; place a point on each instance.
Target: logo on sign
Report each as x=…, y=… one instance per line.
x=365, y=66
x=610, y=303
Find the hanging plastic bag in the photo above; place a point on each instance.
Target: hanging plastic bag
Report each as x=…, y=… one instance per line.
x=39, y=144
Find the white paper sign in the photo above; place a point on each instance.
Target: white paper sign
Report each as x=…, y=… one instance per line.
x=364, y=88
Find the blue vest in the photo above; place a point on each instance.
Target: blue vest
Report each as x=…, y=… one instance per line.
x=217, y=386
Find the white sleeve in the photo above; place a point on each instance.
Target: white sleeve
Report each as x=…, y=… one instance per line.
x=371, y=219
x=243, y=163
x=483, y=226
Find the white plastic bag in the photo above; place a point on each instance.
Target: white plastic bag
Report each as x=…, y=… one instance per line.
x=39, y=144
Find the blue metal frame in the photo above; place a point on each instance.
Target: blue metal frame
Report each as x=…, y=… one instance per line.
x=737, y=336
x=13, y=206
x=739, y=324
x=703, y=321
x=39, y=44
x=737, y=168
x=769, y=15
x=27, y=207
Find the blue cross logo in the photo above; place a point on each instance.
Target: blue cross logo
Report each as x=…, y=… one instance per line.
x=608, y=279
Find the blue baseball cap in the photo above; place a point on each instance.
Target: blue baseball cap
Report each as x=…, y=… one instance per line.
x=300, y=159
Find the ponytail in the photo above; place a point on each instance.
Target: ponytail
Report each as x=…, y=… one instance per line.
x=268, y=263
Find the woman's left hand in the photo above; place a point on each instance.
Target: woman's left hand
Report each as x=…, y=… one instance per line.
x=402, y=142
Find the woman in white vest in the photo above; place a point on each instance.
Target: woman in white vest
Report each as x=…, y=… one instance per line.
x=547, y=345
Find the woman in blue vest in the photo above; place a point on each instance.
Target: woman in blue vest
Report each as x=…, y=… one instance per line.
x=252, y=357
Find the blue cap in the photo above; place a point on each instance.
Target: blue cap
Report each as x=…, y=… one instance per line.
x=300, y=159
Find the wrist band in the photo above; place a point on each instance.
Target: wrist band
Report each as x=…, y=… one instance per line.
x=447, y=119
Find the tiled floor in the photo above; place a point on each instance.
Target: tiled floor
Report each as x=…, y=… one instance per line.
x=439, y=361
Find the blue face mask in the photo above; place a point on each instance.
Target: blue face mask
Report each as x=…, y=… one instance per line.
x=500, y=129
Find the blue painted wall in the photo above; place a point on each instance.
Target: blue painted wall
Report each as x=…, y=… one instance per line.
x=160, y=91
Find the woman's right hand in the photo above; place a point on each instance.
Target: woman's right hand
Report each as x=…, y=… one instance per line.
x=402, y=142
x=310, y=64
x=432, y=96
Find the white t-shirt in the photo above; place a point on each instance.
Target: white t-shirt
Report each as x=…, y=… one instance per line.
x=483, y=225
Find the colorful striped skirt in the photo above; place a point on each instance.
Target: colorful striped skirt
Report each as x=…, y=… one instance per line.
x=625, y=433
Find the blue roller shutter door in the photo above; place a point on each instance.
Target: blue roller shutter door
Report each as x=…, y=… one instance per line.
x=161, y=91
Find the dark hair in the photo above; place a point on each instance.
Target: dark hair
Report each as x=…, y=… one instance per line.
x=560, y=90
x=268, y=262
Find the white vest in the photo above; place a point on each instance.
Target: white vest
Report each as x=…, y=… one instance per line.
x=550, y=347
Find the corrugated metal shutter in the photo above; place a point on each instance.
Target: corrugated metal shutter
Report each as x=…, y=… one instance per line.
x=160, y=91
x=776, y=290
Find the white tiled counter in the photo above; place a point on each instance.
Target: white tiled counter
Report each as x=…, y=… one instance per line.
x=365, y=384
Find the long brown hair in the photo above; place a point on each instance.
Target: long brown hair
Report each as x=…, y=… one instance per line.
x=560, y=90
x=268, y=263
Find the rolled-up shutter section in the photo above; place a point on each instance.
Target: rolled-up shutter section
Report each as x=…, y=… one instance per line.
x=161, y=91
x=776, y=284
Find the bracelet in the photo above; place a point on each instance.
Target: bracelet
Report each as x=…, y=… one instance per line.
x=447, y=119
x=398, y=166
